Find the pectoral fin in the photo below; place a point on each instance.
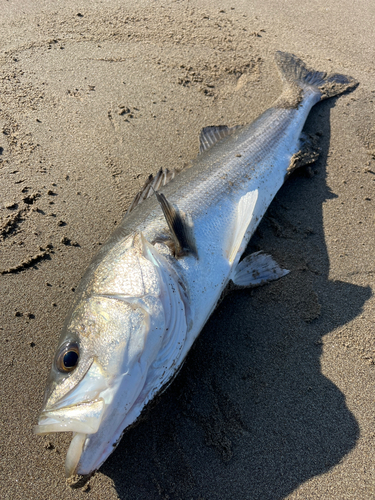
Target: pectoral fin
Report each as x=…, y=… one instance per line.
x=179, y=226
x=257, y=269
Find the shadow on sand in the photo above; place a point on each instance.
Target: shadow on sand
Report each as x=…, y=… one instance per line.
x=251, y=416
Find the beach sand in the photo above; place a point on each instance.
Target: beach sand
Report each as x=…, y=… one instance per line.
x=276, y=398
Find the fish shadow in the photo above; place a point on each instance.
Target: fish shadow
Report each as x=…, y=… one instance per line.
x=251, y=415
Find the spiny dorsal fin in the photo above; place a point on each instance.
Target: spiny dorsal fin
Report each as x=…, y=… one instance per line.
x=152, y=184
x=210, y=136
x=179, y=227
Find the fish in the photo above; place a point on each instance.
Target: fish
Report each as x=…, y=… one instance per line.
x=148, y=292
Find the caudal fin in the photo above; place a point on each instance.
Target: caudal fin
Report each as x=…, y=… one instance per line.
x=294, y=71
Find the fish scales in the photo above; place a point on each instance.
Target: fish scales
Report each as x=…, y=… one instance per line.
x=148, y=292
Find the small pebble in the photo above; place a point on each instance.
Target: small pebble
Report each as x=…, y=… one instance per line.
x=65, y=240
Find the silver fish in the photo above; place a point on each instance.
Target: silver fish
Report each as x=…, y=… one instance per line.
x=147, y=294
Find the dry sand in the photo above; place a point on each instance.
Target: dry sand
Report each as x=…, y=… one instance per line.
x=276, y=399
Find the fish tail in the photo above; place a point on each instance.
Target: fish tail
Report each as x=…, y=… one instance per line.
x=297, y=75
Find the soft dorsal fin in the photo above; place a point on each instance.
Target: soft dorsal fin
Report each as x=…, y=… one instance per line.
x=179, y=226
x=153, y=183
x=210, y=136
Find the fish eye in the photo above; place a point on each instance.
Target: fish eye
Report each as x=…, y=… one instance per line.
x=67, y=358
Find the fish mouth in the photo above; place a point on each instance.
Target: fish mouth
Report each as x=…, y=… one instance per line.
x=82, y=419
x=83, y=411
x=80, y=411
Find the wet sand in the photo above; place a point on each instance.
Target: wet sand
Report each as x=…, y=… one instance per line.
x=276, y=399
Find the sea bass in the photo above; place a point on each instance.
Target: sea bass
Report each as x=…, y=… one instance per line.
x=149, y=291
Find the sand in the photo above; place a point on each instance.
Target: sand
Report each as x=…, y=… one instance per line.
x=276, y=399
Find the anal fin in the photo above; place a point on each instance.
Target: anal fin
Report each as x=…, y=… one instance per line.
x=257, y=269
x=308, y=153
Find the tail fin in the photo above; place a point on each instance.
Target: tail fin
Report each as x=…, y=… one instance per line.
x=294, y=71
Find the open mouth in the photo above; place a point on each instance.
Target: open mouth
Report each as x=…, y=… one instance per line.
x=80, y=410
x=81, y=419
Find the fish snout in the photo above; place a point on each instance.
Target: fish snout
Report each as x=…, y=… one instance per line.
x=83, y=418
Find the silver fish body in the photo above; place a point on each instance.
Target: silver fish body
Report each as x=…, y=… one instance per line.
x=141, y=304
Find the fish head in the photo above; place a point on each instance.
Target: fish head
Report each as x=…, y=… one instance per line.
x=108, y=343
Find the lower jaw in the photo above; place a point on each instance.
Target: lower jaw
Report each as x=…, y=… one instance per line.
x=74, y=453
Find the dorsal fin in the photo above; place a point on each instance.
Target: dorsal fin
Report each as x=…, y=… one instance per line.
x=210, y=136
x=180, y=228
x=152, y=184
